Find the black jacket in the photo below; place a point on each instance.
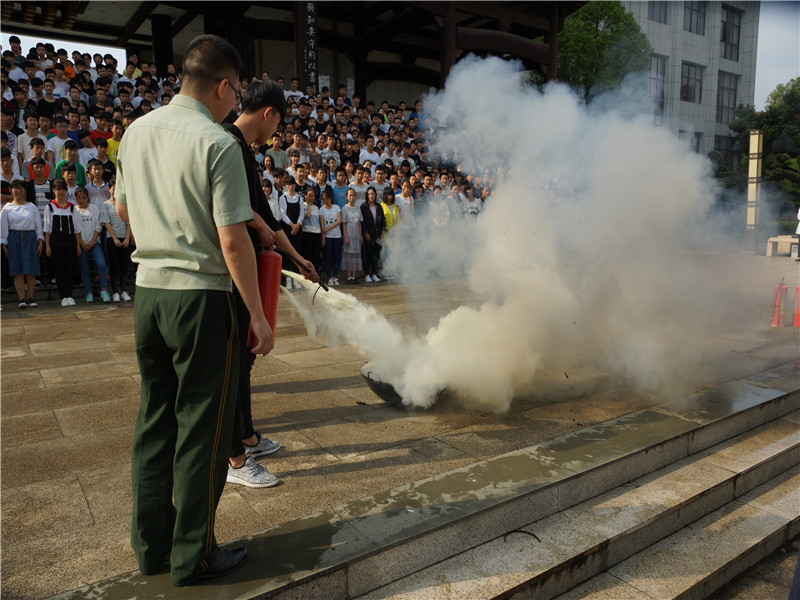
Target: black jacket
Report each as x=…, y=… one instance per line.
x=258, y=201
x=373, y=228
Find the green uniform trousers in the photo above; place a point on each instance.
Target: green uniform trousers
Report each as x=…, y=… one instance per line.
x=188, y=352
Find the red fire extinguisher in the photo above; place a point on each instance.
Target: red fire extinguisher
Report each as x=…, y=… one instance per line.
x=779, y=304
x=269, y=283
x=796, y=320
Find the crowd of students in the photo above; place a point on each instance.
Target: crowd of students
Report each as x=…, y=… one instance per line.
x=340, y=173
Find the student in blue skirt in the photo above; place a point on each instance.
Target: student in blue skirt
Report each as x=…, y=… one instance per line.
x=22, y=238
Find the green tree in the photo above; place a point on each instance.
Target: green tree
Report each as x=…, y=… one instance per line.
x=780, y=122
x=600, y=44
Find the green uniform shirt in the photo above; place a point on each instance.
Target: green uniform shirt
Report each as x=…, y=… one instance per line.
x=181, y=175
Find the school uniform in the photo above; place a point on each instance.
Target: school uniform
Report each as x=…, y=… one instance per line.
x=59, y=224
x=20, y=230
x=292, y=210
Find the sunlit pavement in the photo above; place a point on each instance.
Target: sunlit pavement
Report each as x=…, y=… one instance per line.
x=70, y=396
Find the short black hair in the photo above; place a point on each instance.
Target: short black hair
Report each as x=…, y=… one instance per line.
x=37, y=160
x=69, y=167
x=263, y=94
x=208, y=59
x=70, y=145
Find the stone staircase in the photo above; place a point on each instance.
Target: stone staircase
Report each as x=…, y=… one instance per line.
x=680, y=532
x=667, y=502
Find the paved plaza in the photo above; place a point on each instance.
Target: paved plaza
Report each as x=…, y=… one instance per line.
x=70, y=396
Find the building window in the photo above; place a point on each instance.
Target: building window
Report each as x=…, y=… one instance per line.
x=729, y=35
x=694, y=17
x=657, y=11
x=658, y=70
x=693, y=139
x=691, y=83
x=726, y=146
x=697, y=141
x=726, y=96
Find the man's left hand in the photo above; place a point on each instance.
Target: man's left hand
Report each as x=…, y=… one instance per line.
x=266, y=237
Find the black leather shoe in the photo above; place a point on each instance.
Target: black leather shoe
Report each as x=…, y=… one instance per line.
x=226, y=561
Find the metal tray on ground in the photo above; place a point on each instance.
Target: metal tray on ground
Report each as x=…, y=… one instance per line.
x=384, y=391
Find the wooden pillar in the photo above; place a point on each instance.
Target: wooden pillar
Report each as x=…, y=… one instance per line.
x=552, y=40
x=212, y=25
x=448, y=40
x=161, y=27
x=227, y=21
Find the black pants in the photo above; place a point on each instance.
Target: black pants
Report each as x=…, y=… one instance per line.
x=372, y=254
x=118, y=259
x=297, y=242
x=64, y=250
x=6, y=278
x=243, y=419
x=312, y=242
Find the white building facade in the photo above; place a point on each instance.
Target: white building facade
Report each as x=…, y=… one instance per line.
x=703, y=65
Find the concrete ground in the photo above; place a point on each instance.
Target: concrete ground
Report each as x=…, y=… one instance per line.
x=70, y=396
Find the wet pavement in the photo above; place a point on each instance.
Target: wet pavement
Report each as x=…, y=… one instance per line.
x=70, y=396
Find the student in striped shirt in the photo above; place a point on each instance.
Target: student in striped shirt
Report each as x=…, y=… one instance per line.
x=118, y=247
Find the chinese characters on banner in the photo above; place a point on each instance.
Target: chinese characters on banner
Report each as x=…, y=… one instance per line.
x=310, y=44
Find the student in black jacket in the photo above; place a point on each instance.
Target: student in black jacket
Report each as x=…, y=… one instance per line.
x=374, y=225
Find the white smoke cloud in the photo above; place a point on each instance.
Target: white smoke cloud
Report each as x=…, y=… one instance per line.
x=582, y=250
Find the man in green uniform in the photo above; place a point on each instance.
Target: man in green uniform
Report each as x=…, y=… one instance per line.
x=182, y=185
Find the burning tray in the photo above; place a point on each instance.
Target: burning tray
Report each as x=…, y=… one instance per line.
x=384, y=391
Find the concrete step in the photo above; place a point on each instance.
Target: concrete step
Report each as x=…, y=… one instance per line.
x=704, y=556
x=353, y=549
x=617, y=533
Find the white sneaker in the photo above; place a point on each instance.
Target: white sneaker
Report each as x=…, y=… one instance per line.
x=368, y=278
x=252, y=474
x=331, y=282
x=65, y=302
x=124, y=296
x=263, y=447
x=71, y=301
x=375, y=279
x=115, y=297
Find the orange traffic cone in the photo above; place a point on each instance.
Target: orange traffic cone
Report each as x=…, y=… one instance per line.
x=796, y=321
x=779, y=305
